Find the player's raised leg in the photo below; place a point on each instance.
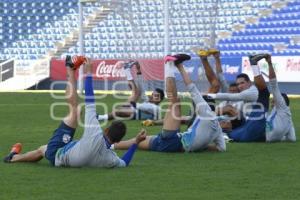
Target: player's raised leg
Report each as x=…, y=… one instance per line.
x=264, y=94
x=210, y=74
x=140, y=83
x=172, y=116
x=63, y=135
x=126, y=110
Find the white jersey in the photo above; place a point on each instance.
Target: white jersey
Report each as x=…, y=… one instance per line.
x=205, y=129
x=147, y=110
x=236, y=104
x=224, y=88
x=279, y=125
x=248, y=95
x=91, y=150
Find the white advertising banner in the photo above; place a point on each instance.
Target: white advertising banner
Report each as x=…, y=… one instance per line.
x=32, y=67
x=287, y=68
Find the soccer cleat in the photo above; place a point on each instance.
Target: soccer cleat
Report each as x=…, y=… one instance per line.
x=212, y=51
x=16, y=149
x=74, y=62
x=255, y=58
x=202, y=53
x=148, y=122
x=169, y=58
x=180, y=58
x=129, y=65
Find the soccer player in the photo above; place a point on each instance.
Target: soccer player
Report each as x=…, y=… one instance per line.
x=253, y=130
x=279, y=125
x=93, y=149
x=204, y=134
x=148, y=109
x=213, y=88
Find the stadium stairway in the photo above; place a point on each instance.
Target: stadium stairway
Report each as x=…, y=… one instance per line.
x=38, y=69
x=91, y=21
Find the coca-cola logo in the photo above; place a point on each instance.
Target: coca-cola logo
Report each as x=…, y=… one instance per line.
x=104, y=70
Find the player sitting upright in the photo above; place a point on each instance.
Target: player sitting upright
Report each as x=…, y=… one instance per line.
x=148, y=109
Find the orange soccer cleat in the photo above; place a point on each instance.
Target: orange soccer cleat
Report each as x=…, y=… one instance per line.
x=15, y=149
x=75, y=62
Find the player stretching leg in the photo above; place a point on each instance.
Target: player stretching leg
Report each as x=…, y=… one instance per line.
x=279, y=125
x=148, y=109
x=205, y=132
x=67, y=126
x=93, y=149
x=253, y=130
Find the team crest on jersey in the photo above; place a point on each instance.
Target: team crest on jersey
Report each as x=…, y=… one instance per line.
x=66, y=138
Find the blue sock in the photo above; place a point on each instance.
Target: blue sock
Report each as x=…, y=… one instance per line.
x=89, y=90
x=129, y=154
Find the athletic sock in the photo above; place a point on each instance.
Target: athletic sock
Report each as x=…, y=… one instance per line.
x=128, y=74
x=89, y=90
x=256, y=70
x=170, y=69
x=141, y=86
x=102, y=117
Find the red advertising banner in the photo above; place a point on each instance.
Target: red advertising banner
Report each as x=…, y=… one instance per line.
x=111, y=69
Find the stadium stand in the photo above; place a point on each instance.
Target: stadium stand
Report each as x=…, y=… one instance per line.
x=31, y=28
x=277, y=33
x=37, y=30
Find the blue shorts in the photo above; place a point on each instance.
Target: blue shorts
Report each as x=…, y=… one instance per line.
x=62, y=136
x=252, y=130
x=166, y=141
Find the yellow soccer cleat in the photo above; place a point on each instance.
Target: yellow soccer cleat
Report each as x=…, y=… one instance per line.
x=148, y=122
x=202, y=53
x=212, y=51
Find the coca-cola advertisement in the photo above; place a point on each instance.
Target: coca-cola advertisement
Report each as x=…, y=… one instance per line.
x=112, y=69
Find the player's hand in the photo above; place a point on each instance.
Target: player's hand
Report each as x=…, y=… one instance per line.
x=148, y=122
x=211, y=95
x=141, y=136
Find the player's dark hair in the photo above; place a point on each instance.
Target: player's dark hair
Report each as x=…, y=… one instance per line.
x=116, y=131
x=286, y=98
x=245, y=76
x=233, y=85
x=161, y=93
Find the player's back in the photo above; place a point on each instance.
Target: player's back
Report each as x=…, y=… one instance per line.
x=89, y=152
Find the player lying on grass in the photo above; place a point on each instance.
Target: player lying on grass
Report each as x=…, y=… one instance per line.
x=213, y=88
x=230, y=112
x=216, y=81
x=253, y=130
x=93, y=148
x=204, y=134
x=148, y=109
x=279, y=125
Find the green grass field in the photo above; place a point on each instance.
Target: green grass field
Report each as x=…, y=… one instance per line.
x=245, y=171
